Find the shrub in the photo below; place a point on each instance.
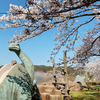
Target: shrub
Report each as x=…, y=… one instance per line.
x=92, y=83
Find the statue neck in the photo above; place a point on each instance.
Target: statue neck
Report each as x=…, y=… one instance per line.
x=27, y=63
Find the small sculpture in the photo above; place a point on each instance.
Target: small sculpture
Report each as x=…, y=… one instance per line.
x=80, y=79
x=13, y=62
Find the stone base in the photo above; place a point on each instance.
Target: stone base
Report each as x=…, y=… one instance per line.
x=67, y=97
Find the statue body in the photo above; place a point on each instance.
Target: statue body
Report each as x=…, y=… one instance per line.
x=18, y=83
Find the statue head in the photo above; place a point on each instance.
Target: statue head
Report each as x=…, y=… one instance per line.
x=14, y=47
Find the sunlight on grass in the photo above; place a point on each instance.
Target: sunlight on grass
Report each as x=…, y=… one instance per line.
x=81, y=95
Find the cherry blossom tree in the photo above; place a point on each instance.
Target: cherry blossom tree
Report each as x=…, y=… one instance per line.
x=94, y=68
x=90, y=47
x=38, y=16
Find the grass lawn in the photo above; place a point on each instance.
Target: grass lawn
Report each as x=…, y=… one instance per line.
x=81, y=95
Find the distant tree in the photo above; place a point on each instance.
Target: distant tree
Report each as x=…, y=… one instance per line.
x=93, y=68
x=38, y=16
x=1, y=66
x=90, y=76
x=68, y=71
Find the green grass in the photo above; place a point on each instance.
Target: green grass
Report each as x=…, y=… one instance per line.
x=81, y=95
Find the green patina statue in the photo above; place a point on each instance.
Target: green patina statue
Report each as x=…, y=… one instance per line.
x=18, y=84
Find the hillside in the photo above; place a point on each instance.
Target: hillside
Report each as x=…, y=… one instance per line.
x=43, y=68
x=50, y=68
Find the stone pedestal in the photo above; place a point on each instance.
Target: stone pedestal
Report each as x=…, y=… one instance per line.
x=49, y=92
x=67, y=97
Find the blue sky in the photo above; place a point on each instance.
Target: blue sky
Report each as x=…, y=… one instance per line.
x=38, y=49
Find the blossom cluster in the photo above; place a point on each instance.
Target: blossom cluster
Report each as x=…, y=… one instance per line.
x=38, y=16
x=94, y=68
x=90, y=47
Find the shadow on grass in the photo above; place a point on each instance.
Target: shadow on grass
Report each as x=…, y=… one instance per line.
x=87, y=94
x=77, y=98
x=94, y=96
